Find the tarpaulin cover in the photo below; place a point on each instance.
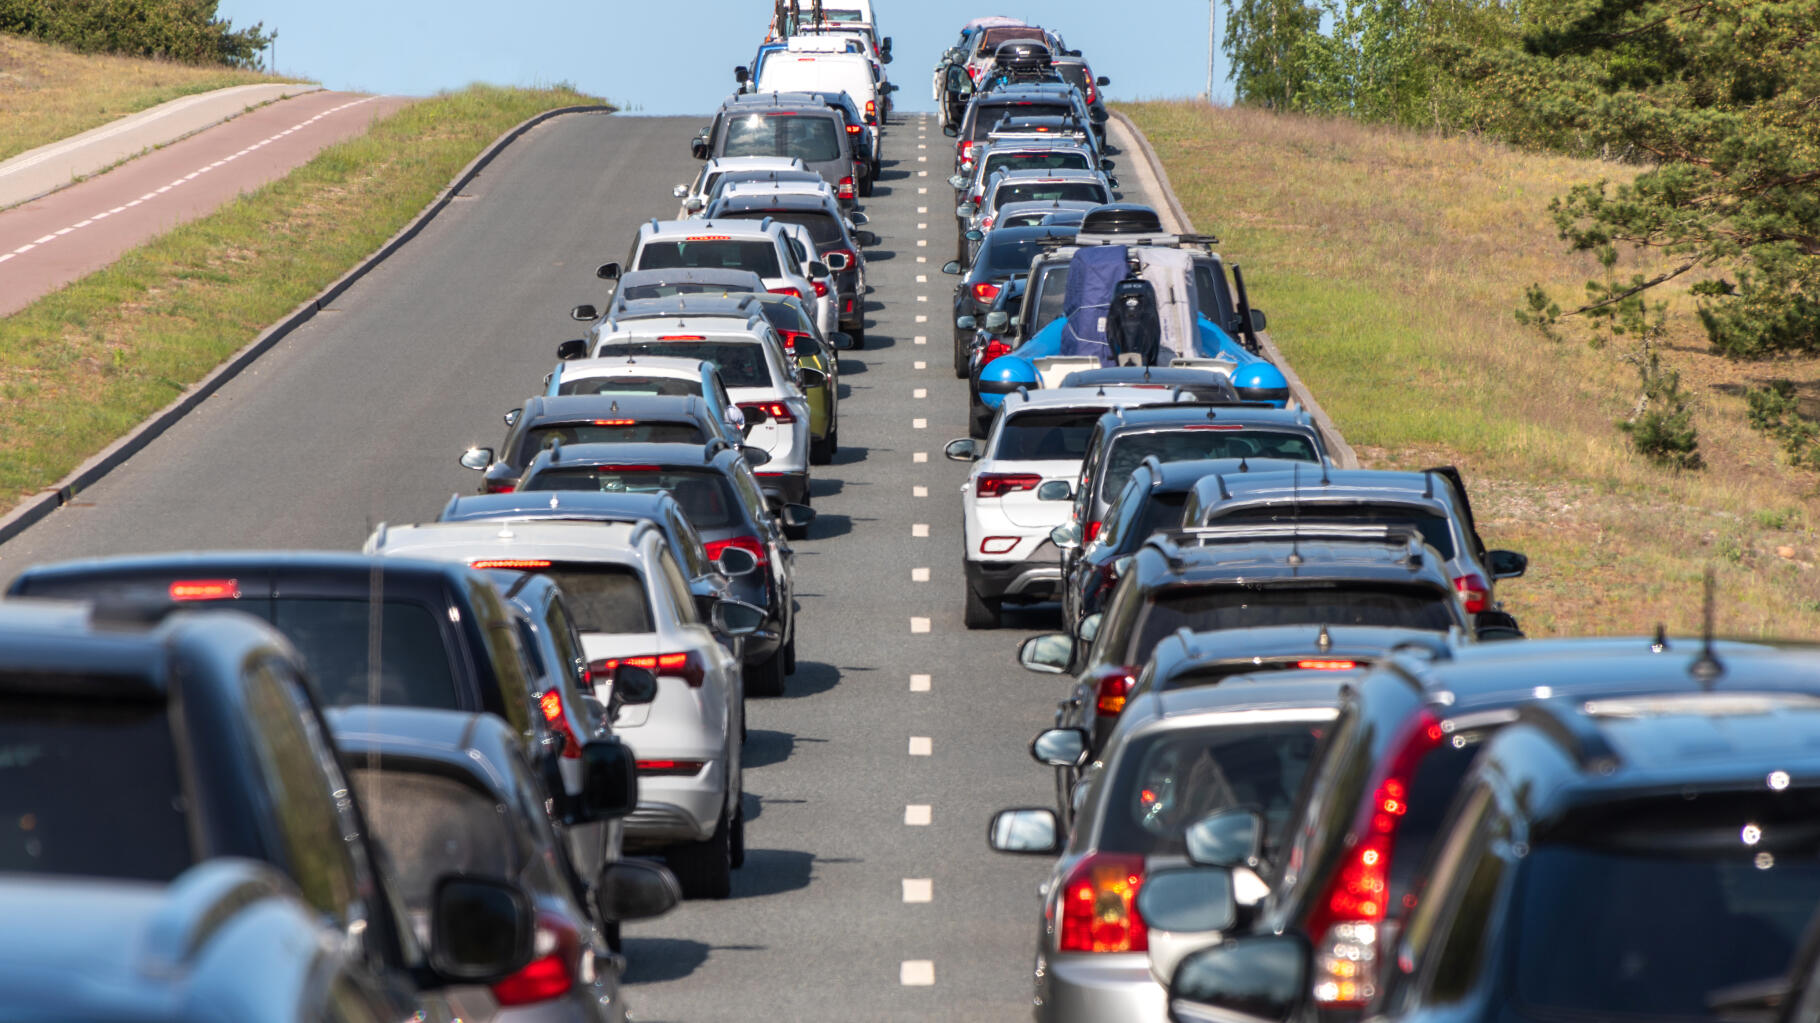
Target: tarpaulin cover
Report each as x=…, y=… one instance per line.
x=1093, y=274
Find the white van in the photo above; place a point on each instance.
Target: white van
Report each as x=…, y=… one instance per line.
x=850, y=73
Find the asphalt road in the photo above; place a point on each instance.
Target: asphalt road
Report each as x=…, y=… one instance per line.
x=845, y=909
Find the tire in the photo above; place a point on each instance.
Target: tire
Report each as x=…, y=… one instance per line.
x=978, y=426
x=980, y=613
x=858, y=334
x=738, y=840
x=704, y=869
x=766, y=678
x=961, y=359
x=834, y=438
x=796, y=532
x=790, y=652
x=611, y=933
x=820, y=451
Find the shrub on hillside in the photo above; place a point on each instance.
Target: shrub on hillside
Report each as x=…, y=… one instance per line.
x=185, y=30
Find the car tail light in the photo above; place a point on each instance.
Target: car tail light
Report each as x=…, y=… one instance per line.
x=844, y=190
x=768, y=410
x=682, y=337
x=671, y=768
x=998, y=484
x=518, y=564
x=1326, y=665
x=966, y=150
x=791, y=337
x=499, y=487
x=615, y=422
x=1112, y=689
x=1092, y=93
x=986, y=224
x=821, y=290
x=750, y=544
x=792, y=292
x=853, y=129
x=985, y=292
x=685, y=666
x=1093, y=530
x=205, y=589
x=552, y=971
x=1355, y=903
x=1473, y=592
x=999, y=544
x=871, y=112
x=551, y=705
x=1099, y=905
x=994, y=349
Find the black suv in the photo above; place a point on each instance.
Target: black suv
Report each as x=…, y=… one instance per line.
x=142, y=742
x=723, y=501
x=1005, y=254
x=834, y=246
x=596, y=419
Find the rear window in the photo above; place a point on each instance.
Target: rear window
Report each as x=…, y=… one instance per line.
x=1046, y=435
x=1162, y=511
x=1189, y=442
x=1052, y=288
x=989, y=41
x=1009, y=255
x=91, y=787
x=1171, y=779
x=432, y=825
x=538, y=438
x=758, y=255
x=1048, y=191
x=741, y=363
x=809, y=138
x=634, y=292
x=334, y=637
x=668, y=387
x=1041, y=159
x=707, y=497
x=823, y=229
x=786, y=316
x=1203, y=608
x=1435, y=529
x=602, y=597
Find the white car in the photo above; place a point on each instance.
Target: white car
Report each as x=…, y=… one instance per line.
x=851, y=73
x=765, y=247
x=646, y=374
x=632, y=605
x=1037, y=439
x=795, y=180
x=762, y=380
x=694, y=195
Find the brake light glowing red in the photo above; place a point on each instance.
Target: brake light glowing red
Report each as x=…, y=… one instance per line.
x=550, y=975
x=498, y=487
x=750, y=544
x=205, y=589
x=1099, y=905
x=996, y=348
x=709, y=238
x=514, y=563
x=853, y=129
x=792, y=292
x=1327, y=665
x=1112, y=689
x=844, y=190
x=550, y=704
x=791, y=337
x=672, y=768
x=769, y=410
x=985, y=291
x=1093, y=529
x=998, y=484
x=1473, y=592
x=685, y=666
x=821, y=290
x=615, y=422
x=682, y=337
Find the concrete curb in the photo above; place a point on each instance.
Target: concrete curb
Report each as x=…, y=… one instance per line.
x=1342, y=453
x=35, y=509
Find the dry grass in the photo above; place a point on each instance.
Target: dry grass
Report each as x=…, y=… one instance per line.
x=48, y=93
x=1391, y=263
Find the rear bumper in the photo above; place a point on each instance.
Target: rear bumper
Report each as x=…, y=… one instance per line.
x=1085, y=988
x=785, y=487
x=1036, y=578
x=676, y=809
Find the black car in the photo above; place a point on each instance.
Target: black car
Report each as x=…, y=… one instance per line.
x=991, y=335
x=835, y=246
x=1635, y=842
x=722, y=499
x=1003, y=255
x=986, y=111
x=449, y=791
x=143, y=741
x=1075, y=72
x=596, y=419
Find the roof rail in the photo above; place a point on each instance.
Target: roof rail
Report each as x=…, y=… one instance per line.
x=199, y=903
x=1155, y=465
x=380, y=534
x=1205, y=536
x=1573, y=731
x=449, y=509
x=554, y=450
x=715, y=446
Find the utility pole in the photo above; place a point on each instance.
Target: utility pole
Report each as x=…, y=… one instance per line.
x=1212, y=7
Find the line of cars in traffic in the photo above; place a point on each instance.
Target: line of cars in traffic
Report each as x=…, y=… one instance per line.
x=1306, y=766
x=432, y=779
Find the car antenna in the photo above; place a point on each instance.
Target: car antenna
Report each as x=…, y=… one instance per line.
x=553, y=501
x=1323, y=642
x=1660, y=643
x=615, y=406
x=555, y=450
x=1295, y=512
x=1706, y=668
x=1244, y=466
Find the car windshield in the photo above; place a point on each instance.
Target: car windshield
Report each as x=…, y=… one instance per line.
x=432, y=825
x=632, y=383
x=1035, y=159
x=1204, y=608
x=706, y=496
x=1048, y=191
x=809, y=138
x=823, y=229
x=741, y=363
x=1183, y=443
x=1046, y=435
x=84, y=781
x=1007, y=255
x=612, y=431
x=334, y=637
x=758, y=255
x=1169, y=780
x=1690, y=917
x=602, y=597
x=1436, y=531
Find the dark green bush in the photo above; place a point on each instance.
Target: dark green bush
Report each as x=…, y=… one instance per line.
x=185, y=30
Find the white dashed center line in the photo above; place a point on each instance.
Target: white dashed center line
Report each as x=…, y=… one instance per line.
x=920, y=392
x=921, y=746
x=917, y=973
x=919, y=575
x=919, y=529
x=920, y=456
x=920, y=365
x=919, y=683
x=921, y=242
x=919, y=889
x=922, y=227
x=922, y=209
x=922, y=298
x=922, y=278
x=922, y=319
x=919, y=625
x=917, y=815
x=922, y=191
x=919, y=491
x=919, y=424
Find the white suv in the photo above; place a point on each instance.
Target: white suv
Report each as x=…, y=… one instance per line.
x=694, y=195
x=632, y=605
x=761, y=246
x=1037, y=438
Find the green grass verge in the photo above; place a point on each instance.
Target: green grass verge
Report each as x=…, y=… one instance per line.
x=84, y=365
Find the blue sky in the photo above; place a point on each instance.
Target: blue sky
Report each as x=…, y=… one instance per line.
x=677, y=56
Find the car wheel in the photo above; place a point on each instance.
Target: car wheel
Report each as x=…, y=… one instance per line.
x=978, y=426
x=611, y=932
x=834, y=439
x=796, y=532
x=790, y=652
x=858, y=334
x=704, y=869
x=961, y=359
x=766, y=678
x=980, y=613
x=738, y=842
x=742, y=706
x=819, y=452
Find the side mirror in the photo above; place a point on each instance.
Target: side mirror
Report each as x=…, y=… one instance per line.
x=1261, y=976
x=817, y=268
x=858, y=220
x=974, y=234
x=840, y=341
x=966, y=322
x=837, y=261
x=1112, y=182
x=633, y=685
x=998, y=319
x=680, y=191
x=1506, y=564
x=1258, y=320
x=481, y=929
x=1226, y=838
x=699, y=148
x=1089, y=629
x=1496, y=626
x=950, y=130
x=609, y=779
x=1047, y=654
x=1098, y=114
x=957, y=182
x=736, y=617
x=741, y=75
x=477, y=458
x=1055, y=490
x=965, y=210
x=813, y=377
x=584, y=313
x=735, y=562
x=884, y=46
x=1102, y=81
x=952, y=268
x=1061, y=747
x=966, y=449
x=755, y=456
x=866, y=240
x=797, y=516
x=610, y=271
x=1067, y=536
x=1107, y=165
x=694, y=203
x=635, y=890
x=575, y=349
x=1032, y=831
x=511, y=417
x=1189, y=900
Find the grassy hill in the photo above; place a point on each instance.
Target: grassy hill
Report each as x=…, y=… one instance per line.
x=1391, y=263
x=49, y=93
